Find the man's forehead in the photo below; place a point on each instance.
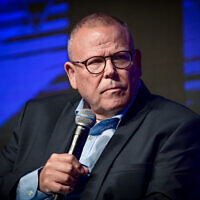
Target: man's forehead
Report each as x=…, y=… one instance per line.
x=98, y=38
x=88, y=32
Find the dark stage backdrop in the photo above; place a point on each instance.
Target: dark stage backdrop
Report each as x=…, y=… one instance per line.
x=33, y=41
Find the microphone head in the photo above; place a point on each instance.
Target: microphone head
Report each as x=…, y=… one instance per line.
x=86, y=118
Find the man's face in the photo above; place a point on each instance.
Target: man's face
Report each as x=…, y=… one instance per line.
x=111, y=91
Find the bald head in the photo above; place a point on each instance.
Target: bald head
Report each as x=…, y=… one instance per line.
x=93, y=21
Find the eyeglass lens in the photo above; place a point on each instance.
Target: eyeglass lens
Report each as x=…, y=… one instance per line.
x=120, y=60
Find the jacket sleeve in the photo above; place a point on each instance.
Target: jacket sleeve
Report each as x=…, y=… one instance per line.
x=8, y=156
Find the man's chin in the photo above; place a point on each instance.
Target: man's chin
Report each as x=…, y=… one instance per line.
x=113, y=108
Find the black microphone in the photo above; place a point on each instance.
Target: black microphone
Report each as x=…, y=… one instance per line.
x=85, y=119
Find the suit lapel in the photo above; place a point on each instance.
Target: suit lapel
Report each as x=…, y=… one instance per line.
x=128, y=126
x=63, y=132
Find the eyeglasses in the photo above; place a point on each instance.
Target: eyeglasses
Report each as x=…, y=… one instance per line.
x=97, y=64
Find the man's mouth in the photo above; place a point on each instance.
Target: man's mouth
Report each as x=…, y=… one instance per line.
x=112, y=89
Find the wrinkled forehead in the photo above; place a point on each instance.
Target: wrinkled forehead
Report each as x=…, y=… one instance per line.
x=98, y=36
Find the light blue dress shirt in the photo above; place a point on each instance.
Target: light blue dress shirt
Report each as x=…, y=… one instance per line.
x=94, y=146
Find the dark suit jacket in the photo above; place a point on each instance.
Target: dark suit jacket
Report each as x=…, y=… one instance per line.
x=154, y=154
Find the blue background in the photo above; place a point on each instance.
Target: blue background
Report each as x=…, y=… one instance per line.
x=33, y=41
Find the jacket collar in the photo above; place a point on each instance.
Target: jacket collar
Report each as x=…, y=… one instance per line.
x=63, y=132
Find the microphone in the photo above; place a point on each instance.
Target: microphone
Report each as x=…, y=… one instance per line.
x=85, y=119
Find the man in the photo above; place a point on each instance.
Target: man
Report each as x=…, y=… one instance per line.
x=153, y=152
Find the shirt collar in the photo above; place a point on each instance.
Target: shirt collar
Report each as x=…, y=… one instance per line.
x=83, y=104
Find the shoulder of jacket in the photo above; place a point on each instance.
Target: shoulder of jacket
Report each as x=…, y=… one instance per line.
x=69, y=96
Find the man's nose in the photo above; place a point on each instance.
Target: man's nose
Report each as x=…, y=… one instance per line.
x=110, y=69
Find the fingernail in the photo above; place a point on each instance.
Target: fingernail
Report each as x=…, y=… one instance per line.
x=82, y=170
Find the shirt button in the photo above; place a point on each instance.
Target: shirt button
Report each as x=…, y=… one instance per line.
x=30, y=193
x=90, y=137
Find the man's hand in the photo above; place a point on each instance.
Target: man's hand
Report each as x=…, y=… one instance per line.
x=60, y=174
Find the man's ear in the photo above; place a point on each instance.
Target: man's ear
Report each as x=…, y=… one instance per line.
x=70, y=70
x=138, y=59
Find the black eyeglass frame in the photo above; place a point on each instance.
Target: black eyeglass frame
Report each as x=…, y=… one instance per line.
x=131, y=52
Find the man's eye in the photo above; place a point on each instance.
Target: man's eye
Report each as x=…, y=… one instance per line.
x=121, y=57
x=95, y=61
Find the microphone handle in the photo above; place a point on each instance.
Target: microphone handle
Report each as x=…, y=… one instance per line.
x=78, y=142
x=76, y=148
